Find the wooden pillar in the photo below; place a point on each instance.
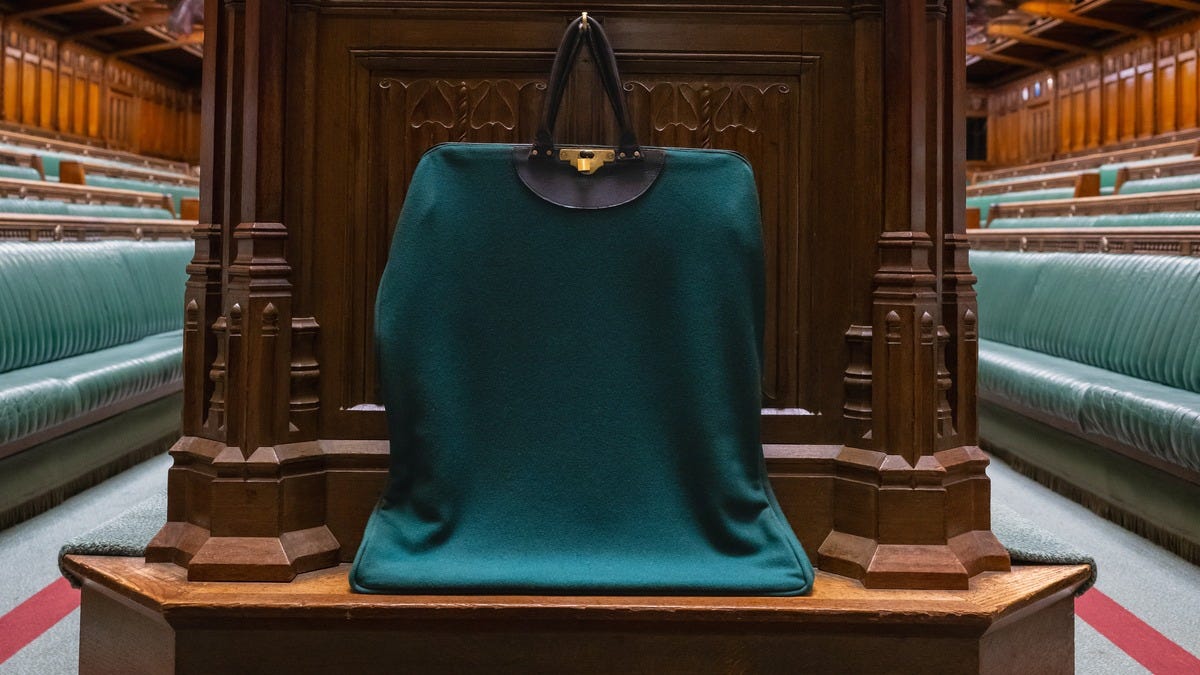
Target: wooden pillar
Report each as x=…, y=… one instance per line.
x=911, y=499
x=313, y=118
x=247, y=487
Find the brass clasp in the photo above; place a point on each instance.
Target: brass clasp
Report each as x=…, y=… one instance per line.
x=587, y=160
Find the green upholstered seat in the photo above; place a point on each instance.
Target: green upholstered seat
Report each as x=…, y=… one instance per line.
x=176, y=192
x=984, y=202
x=1108, y=172
x=1042, y=221
x=22, y=172
x=1189, y=181
x=39, y=397
x=117, y=211
x=1014, y=179
x=86, y=324
x=1108, y=342
x=60, y=208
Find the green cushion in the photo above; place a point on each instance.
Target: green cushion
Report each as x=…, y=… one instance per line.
x=62, y=299
x=176, y=192
x=1108, y=172
x=1129, y=314
x=1014, y=179
x=46, y=395
x=1042, y=221
x=22, y=172
x=982, y=203
x=1163, y=421
x=1110, y=343
x=33, y=206
x=1184, y=182
x=117, y=211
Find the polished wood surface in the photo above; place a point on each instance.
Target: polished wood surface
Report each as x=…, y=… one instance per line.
x=1017, y=621
x=1134, y=90
x=63, y=86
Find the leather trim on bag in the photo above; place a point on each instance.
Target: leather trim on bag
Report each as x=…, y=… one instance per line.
x=613, y=185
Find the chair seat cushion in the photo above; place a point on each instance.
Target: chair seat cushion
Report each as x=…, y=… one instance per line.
x=1158, y=419
x=42, y=396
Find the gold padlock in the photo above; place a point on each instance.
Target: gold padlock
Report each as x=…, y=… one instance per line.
x=587, y=160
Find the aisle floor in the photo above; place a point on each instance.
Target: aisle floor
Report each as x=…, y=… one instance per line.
x=1160, y=591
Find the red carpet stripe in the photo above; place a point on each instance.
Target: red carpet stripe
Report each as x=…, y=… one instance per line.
x=35, y=616
x=1135, y=637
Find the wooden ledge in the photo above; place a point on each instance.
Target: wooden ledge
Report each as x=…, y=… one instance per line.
x=147, y=618
x=163, y=587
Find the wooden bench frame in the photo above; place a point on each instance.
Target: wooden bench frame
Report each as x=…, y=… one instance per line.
x=1092, y=161
x=1151, y=202
x=83, y=194
x=1184, y=167
x=26, y=137
x=38, y=227
x=1086, y=184
x=72, y=171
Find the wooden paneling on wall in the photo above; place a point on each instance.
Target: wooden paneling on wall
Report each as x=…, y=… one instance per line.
x=70, y=89
x=1136, y=90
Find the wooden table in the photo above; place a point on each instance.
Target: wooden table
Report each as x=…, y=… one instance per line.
x=146, y=618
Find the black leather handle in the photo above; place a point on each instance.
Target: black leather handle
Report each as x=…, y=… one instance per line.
x=606, y=63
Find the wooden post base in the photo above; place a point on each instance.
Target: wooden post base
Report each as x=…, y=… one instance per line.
x=147, y=618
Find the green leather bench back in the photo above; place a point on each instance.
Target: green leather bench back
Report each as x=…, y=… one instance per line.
x=1163, y=219
x=1184, y=182
x=1130, y=314
x=982, y=203
x=176, y=192
x=59, y=299
x=59, y=208
x=22, y=172
x=1108, y=172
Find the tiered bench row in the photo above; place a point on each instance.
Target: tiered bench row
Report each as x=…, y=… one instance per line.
x=28, y=157
x=1089, y=352
x=92, y=274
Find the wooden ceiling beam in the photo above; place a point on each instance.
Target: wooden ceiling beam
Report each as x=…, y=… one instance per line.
x=1063, y=12
x=983, y=53
x=1017, y=33
x=188, y=41
x=153, y=20
x=63, y=8
x=1189, y=5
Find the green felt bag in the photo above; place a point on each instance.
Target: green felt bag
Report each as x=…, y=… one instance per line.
x=571, y=367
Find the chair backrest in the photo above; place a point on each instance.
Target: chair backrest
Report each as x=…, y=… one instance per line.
x=1133, y=314
x=59, y=299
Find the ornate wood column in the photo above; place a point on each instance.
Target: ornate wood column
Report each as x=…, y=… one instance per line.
x=911, y=499
x=247, y=491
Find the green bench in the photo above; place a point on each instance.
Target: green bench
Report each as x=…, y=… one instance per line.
x=1089, y=372
x=90, y=362
x=1159, y=219
x=60, y=208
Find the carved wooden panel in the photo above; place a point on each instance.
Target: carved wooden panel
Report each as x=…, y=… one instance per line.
x=404, y=102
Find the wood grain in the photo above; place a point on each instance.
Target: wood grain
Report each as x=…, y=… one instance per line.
x=146, y=616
